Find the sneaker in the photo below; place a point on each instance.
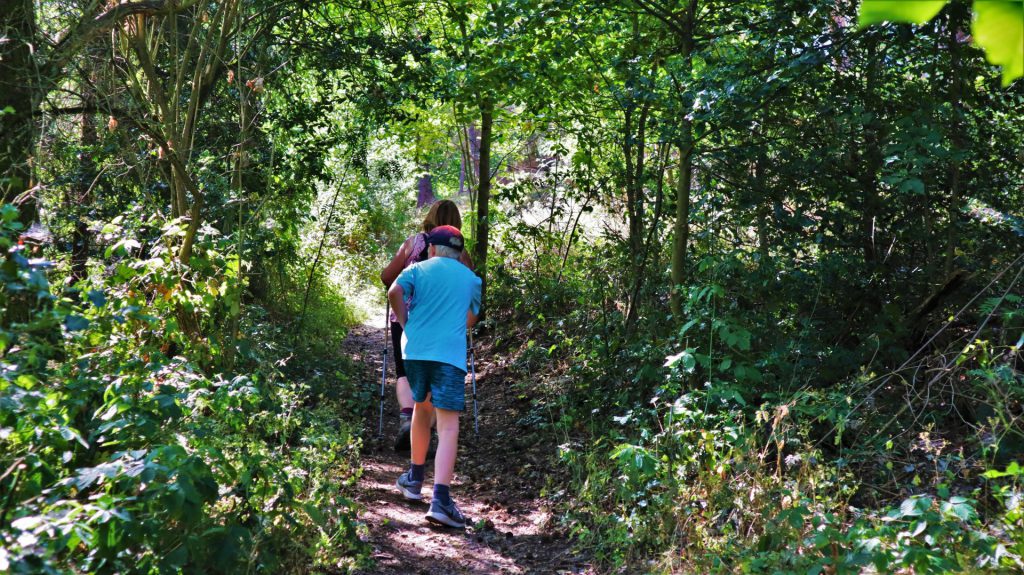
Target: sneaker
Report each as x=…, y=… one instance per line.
x=410, y=489
x=402, y=443
x=449, y=515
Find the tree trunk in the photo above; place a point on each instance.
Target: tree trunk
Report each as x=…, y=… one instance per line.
x=18, y=99
x=868, y=177
x=484, y=194
x=634, y=300
x=763, y=211
x=238, y=183
x=425, y=189
x=25, y=77
x=80, y=196
x=681, y=231
x=633, y=148
x=957, y=16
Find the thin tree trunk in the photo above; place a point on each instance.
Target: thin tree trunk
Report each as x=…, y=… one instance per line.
x=634, y=300
x=763, y=211
x=81, y=196
x=868, y=177
x=238, y=180
x=484, y=194
x=957, y=16
x=681, y=232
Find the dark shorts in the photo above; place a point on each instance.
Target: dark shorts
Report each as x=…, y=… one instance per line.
x=396, y=346
x=445, y=383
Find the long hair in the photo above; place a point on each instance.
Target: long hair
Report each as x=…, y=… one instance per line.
x=442, y=213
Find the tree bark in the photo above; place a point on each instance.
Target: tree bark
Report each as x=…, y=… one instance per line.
x=484, y=195
x=956, y=17
x=25, y=79
x=425, y=189
x=634, y=300
x=19, y=96
x=81, y=194
x=681, y=231
x=872, y=162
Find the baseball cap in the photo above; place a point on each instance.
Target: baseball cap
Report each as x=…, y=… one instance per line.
x=446, y=236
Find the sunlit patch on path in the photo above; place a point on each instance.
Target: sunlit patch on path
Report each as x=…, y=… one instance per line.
x=510, y=530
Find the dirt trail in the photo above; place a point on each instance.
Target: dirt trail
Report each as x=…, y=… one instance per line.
x=510, y=531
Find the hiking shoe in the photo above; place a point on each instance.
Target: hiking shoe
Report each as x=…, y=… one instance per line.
x=402, y=443
x=450, y=515
x=410, y=489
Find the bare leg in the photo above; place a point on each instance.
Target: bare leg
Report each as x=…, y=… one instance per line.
x=422, y=414
x=404, y=393
x=447, y=445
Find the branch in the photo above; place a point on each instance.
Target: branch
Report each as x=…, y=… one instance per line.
x=88, y=28
x=662, y=13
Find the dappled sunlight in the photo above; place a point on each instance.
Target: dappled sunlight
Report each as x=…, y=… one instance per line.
x=748, y=276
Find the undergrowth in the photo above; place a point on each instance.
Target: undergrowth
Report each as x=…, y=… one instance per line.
x=124, y=448
x=758, y=438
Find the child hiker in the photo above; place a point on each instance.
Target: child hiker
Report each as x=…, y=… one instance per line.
x=445, y=300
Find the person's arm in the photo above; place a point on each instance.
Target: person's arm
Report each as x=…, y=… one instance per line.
x=396, y=295
x=470, y=319
x=395, y=266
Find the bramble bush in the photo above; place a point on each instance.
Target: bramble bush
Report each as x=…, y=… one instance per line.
x=120, y=453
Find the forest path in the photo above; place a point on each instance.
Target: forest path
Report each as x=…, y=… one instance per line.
x=510, y=529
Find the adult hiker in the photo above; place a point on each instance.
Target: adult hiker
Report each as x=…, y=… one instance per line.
x=413, y=250
x=435, y=301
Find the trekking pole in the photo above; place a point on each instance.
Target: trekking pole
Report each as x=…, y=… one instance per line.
x=472, y=370
x=384, y=368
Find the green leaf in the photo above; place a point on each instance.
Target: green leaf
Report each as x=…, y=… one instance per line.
x=959, y=507
x=915, y=506
x=875, y=11
x=918, y=528
x=315, y=514
x=998, y=28
x=75, y=323
x=26, y=381
x=912, y=185
x=1013, y=469
x=97, y=298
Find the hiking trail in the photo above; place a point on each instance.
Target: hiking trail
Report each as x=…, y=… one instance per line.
x=498, y=478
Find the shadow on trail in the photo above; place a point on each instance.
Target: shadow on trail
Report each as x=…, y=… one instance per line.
x=510, y=531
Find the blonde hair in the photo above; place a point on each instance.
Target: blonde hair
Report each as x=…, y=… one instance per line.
x=442, y=213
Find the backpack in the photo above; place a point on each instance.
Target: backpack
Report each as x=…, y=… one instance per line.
x=424, y=254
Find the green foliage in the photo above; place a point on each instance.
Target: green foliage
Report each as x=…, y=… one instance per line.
x=998, y=26
x=121, y=456
x=806, y=361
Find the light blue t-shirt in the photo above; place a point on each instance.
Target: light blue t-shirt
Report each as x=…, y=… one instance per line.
x=442, y=290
